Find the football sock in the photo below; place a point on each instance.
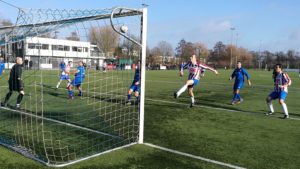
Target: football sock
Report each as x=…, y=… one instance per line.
x=285, y=110
x=180, y=91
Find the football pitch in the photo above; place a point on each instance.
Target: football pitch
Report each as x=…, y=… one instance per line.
x=240, y=135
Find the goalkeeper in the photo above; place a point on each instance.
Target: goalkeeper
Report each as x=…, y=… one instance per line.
x=15, y=83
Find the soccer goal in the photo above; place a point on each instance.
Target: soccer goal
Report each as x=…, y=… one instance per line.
x=61, y=122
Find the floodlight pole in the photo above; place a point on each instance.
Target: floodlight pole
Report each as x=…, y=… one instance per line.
x=143, y=76
x=232, y=29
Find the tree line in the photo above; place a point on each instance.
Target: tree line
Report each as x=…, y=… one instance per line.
x=224, y=56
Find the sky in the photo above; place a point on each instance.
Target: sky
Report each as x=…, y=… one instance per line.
x=272, y=25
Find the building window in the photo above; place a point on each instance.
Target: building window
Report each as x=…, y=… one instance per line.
x=74, y=48
x=86, y=49
x=45, y=46
x=31, y=46
x=79, y=49
x=54, y=47
x=66, y=48
x=61, y=47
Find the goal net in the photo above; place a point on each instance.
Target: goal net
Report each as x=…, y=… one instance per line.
x=78, y=67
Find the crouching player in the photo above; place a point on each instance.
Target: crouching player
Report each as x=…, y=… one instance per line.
x=282, y=81
x=135, y=85
x=239, y=74
x=77, y=81
x=193, y=78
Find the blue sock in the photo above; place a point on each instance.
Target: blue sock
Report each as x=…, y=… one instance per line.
x=238, y=96
x=234, y=97
x=128, y=97
x=70, y=93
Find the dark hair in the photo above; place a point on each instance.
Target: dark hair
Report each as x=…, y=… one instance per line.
x=278, y=65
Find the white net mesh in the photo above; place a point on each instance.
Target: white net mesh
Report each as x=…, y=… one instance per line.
x=54, y=125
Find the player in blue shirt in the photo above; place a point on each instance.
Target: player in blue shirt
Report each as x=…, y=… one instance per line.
x=135, y=85
x=239, y=74
x=77, y=81
x=2, y=66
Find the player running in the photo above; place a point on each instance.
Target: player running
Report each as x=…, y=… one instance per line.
x=77, y=81
x=2, y=66
x=193, y=78
x=64, y=75
x=239, y=74
x=135, y=85
x=282, y=81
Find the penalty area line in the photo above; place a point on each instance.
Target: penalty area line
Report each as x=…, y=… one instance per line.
x=216, y=108
x=193, y=156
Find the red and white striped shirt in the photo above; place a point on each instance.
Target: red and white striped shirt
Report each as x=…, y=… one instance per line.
x=282, y=81
x=195, y=69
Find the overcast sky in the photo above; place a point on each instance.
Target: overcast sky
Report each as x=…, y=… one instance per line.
x=274, y=24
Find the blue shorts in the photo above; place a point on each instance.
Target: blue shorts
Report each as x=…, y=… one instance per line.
x=238, y=85
x=77, y=82
x=64, y=77
x=196, y=81
x=278, y=95
x=134, y=88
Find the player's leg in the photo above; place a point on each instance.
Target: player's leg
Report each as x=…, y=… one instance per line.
x=191, y=94
x=8, y=95
x=137, y=95
x=58, y=83
x=78, y=86
x=129, y=95
x=272, y=96
x=282, y=97
x=70, y=91
x=183, y=88
x=19, y=99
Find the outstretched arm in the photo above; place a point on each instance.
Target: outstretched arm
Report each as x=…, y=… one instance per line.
x=208, y=68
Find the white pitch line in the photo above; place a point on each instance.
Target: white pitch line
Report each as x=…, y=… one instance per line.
x=216, y=108
x=61, y=122
x=193, y=156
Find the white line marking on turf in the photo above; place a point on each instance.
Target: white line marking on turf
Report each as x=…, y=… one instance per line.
x=60, y=122
x=216, y=108
x=193, y=156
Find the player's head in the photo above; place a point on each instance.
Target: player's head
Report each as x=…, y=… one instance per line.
x=193, y=58
x=1, y=59
x=278, y=68
x=80, y=63
x=70, y=62
x=239, y=64
x=19, y=60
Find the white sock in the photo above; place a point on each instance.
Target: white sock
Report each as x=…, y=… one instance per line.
x=271, y=108
x=285, y=110
x=58, y=84
x=180, y=91
x=193, y=100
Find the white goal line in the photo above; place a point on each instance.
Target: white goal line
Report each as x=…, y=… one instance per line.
x=193, y=156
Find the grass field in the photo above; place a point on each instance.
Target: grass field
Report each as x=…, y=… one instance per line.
x=243, y=137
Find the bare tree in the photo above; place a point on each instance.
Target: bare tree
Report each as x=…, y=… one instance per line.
x=5, y=22
x=74, y=36
x=165, y=48
x=105, y=38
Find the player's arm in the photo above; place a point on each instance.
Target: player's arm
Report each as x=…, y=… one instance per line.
x=287, y=79
x=208, y=68
x=247, y=76
x=182, y=67
x=232, y=75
